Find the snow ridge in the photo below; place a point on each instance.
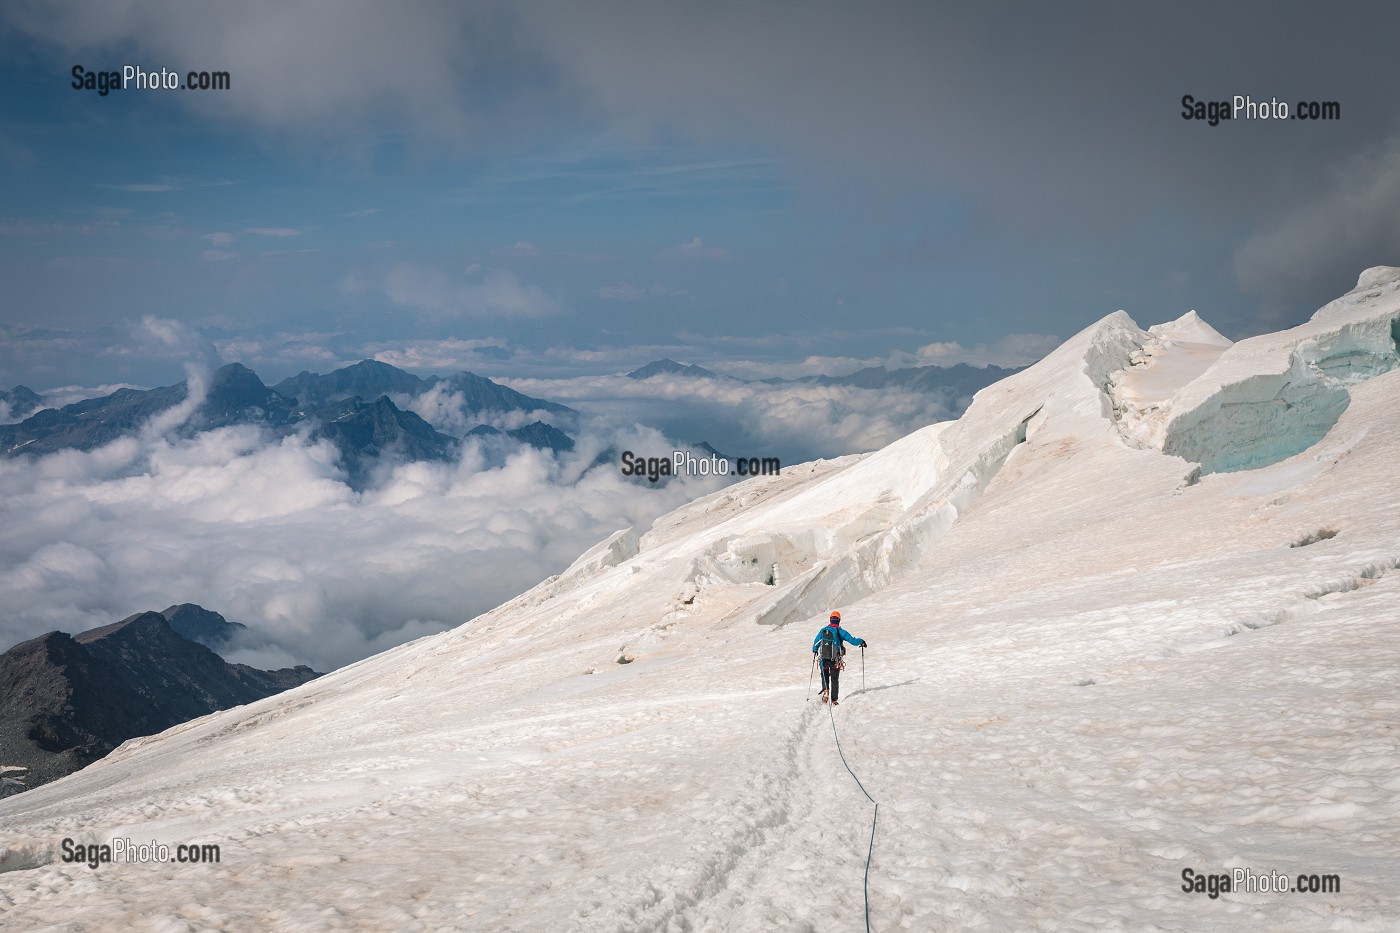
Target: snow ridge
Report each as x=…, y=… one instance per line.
x=1251, y=404
x=1095, y=664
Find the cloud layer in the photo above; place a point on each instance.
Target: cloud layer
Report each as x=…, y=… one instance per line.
x=266, y=533
x=793, y=421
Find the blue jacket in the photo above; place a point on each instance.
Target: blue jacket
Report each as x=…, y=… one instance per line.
x=843, y=636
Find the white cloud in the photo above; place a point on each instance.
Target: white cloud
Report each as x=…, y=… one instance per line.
x=283, y=351
x=1009, y=351
x=435, y=293
x=196, y=385
x=626, y=291
x=66, y=395
x=156, y=338
x=434, y=356
x=273, y=231
x=796, y=369
x=219, y=238
x=695, y=249
x=808, y=420
x=264, y=532
x=147, y=188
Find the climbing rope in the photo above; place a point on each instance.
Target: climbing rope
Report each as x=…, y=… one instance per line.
x=874, y=817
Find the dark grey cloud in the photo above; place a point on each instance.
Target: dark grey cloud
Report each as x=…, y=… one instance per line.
x=1348, y=221
x=1057, y=125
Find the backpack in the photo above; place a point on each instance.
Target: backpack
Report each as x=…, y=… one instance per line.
x=827, y=647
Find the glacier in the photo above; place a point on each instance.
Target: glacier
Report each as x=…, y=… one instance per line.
x=1133, y=613
x=1269, y=398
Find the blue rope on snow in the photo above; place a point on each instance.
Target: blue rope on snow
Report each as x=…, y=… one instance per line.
x=873, y=818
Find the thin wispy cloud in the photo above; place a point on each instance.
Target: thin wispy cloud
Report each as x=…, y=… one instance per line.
x=145, y=188
x=436, y=292
x=625, y=291
x=695, y=249
x=273, y=231
x=166, y=183
x=440, y=356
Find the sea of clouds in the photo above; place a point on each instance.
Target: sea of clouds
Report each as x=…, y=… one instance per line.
x=263, y=528
x=265, y=531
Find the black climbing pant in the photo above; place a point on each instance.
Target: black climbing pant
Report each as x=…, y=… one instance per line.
x=831, y=677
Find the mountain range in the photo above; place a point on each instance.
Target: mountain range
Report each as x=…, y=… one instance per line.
x=960, y=380
x=69, y=700
x=362, y=410
x=350, y=407
x=1130, y=620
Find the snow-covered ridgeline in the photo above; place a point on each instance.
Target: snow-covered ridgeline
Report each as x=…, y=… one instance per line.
x=1093, y=667
x=1268, y=397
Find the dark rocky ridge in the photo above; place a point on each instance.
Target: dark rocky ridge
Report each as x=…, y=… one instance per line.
x=68, y=701
x=544, y=436
x=196, y=623
x=371, y=379
x=365, y=432
x=366, y=379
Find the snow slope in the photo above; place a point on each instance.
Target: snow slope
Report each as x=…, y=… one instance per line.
x=1094, y=664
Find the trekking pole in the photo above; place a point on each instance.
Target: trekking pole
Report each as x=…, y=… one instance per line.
x=862, y=668
x=809, y=679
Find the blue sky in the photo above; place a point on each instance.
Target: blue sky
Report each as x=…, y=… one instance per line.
x=791, y=186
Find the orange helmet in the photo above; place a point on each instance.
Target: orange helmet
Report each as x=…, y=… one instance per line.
x=835, y=616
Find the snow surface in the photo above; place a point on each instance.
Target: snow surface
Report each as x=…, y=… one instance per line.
x=1093, y=664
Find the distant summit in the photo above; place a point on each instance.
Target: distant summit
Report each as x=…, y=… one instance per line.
x=362, y=432
x=22, y=402
x=544, y=436
x=669, y=367
x=480, y=394
x=237, y=396
x=68, y=701
x=367, y=379
x=198, y=624
x=535, y=434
